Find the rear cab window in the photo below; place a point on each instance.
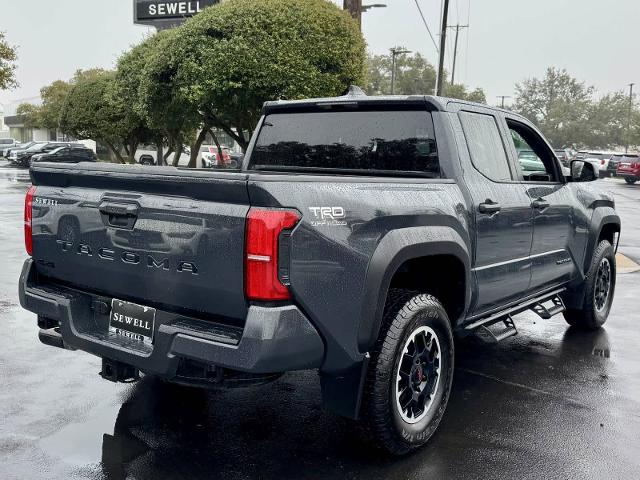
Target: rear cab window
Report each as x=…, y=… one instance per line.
x=357, y=142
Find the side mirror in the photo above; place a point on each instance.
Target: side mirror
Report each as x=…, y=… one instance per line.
x=582, y=171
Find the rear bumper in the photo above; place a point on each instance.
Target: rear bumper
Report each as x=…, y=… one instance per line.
x=273, y=340
x=627, y=172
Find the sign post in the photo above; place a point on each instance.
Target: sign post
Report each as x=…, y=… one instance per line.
x=164, y=14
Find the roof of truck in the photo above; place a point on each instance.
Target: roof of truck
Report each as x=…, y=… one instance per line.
x=355, y=95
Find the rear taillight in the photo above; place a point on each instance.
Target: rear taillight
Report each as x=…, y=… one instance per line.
x=601, y=162
x=28, y=217
x=266, y=241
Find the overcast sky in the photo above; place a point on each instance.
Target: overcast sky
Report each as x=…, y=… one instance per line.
x=508, y=40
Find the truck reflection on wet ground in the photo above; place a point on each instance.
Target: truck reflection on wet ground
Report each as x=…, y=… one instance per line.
x=509, y=403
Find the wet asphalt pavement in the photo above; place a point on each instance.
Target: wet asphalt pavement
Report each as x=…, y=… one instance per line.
x=551, y=402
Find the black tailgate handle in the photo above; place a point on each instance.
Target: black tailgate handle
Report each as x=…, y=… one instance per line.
x=119, y=215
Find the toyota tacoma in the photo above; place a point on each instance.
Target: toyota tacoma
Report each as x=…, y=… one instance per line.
x=360, y=236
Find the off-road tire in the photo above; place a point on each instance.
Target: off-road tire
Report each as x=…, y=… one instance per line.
x=405, y=313
x=588, y=316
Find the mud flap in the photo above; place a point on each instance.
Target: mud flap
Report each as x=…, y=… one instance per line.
x=342, y=391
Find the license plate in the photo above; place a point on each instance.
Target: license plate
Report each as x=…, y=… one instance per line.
x=132, y=321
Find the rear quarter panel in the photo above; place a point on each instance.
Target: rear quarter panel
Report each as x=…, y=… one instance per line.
x=344, y=221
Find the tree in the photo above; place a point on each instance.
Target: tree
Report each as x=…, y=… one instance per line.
x=224, y=63
x=93, y=109
x=608, y=117
x=558, y=104
x=8, y=56
x=159, y=100
x=128, y=81
x=53, y=96
x=414, y=76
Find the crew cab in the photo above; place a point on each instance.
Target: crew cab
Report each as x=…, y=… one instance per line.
x=359, y=236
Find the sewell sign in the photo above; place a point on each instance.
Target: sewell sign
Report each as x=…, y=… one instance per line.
x=150, y=12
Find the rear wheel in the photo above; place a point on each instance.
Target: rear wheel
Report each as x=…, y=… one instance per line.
x=630, y=181
x=599, y=288
x=410, y=373
x=147, y=161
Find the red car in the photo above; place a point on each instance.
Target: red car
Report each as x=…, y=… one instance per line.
x=629, y=168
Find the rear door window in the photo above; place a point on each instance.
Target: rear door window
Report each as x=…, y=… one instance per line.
x=357, y=142
x=486, y=148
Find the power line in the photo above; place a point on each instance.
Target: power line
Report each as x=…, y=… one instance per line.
x=435, y=44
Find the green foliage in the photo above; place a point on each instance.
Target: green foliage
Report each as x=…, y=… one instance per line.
x=461, y=92
x=558, y=103
x=414, y=75
x=565, y=111
x=53, y=96
x=93, y=109
x=31, y=114
x=8, y=56
x=227, y=61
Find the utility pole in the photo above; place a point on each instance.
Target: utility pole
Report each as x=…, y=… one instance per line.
x=455, y=50
x=502, y=97
x=395, y=51
x=443, y=39
x=355, y=8
x=628, y=135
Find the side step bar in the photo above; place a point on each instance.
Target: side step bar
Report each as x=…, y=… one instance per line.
x=509, y=331
x=548, y=312
x=536, y=304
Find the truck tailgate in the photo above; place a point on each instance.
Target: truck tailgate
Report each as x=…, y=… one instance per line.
x=156, y=236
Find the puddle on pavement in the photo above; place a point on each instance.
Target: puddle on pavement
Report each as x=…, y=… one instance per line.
x=81, y=443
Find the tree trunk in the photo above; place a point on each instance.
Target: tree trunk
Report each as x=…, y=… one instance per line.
x=195, y=147
x=133, y=148
x=178, y=154
x=215, y=140
x=169, y=150
x=115, y=151
x=159, y=153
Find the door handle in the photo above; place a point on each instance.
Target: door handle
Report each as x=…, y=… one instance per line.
x=489, y=206
x=540, y=204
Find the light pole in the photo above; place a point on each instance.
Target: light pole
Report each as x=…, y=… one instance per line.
x=626, y=147
x=395, y=51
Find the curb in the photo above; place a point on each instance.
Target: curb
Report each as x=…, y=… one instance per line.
x=625, y=264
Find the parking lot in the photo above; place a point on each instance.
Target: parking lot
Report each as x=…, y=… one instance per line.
x=551, y=402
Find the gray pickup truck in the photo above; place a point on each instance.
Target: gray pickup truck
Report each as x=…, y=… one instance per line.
x=359, y=237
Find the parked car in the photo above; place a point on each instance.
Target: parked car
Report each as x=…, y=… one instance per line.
x=600, y=160
x=612, y=166
x=564, y=155
x=629, y=168
x=146, y=155
x=22, y=158
x=212, y=158
x=6, y=144
x=67, y=154
x=355, y=242
x=20, y=146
